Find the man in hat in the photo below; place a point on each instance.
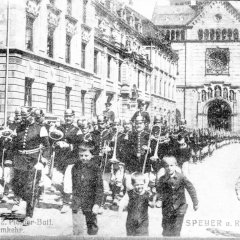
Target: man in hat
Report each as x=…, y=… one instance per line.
x=136, y=150
x=108, y=114
x=66, y=154
x=39, y=116
x=17, y=117
x=28, y=147
x=141, y=112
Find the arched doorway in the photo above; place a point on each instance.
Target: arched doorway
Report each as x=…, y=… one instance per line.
x=219, y=115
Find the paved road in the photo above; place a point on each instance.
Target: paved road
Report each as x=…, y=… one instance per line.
x=214, y=180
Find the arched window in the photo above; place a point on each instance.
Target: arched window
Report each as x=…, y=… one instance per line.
x=218, y=91
x=235, y=35
x=204, y=97
x=200, y=34
x=212, y=34
x=230, y=34
x=177, y=35
x=206, y=34
x=182, y=35
x=210, y=91
x=225, y=93
x=167, y=35
x=169, y=90
x=218, y=34
x=173, y=35
x=224, y=34
x=232, y=95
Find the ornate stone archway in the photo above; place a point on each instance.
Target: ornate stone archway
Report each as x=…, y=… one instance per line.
x=217, y=113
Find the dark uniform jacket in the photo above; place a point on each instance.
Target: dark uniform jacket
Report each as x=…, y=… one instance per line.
x=67, y=156
x=87, y=186
x=99, y=137
x=144, y=114
x=28, y=137
x=135, y=155
x=172, y=194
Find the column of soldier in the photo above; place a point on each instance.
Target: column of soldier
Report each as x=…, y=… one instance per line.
x=99, y=157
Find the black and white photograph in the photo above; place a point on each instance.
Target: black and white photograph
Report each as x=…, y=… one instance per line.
x=119, y=119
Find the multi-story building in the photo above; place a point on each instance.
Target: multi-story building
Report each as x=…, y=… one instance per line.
x=141, y=69
x=206, y=37
x=82, y=54
x=51, y=47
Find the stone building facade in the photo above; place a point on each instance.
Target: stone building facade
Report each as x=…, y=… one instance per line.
x=82, y=54
x=206, y=37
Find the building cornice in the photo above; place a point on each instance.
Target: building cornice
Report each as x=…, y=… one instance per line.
x=161, y=97
x=46, y=60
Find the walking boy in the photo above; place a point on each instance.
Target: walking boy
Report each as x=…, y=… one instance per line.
x=171, y=191
x=138, y=201
x=87, y=186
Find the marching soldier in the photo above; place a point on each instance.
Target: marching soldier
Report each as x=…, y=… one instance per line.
x=66, y=154
x=17, y=117
x=101, y=138
x=141, y=112
x=137, y=149
x=108, y=114
x=29, y=144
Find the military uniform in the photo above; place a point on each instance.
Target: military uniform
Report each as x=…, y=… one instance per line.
x=67, y=156
x=144, y=114
x=109, y=115
x=26, y=152
x=135, y=154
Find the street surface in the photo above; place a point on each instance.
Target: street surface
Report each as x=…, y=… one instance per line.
x=218, y=214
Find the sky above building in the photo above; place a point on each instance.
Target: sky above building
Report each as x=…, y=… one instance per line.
x=145, y=7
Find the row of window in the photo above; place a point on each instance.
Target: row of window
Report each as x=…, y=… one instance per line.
x=109, y=73
x=50, y=43
x=218, y=34
x=96, y=65
x=50, y=35
x=167, y=91
x=173, y=35
x=218, y=92
x=49, y=100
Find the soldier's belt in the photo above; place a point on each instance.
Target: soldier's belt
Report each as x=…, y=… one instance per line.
x=31, y=151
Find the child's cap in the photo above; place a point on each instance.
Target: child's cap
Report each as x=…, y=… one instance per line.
x=137, y=176
x=169, y=159
x=84, y=146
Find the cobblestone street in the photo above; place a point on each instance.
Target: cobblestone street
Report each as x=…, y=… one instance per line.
x=218, y=213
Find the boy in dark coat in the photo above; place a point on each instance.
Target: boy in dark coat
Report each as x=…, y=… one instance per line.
x=171, y=191
x=138, y=201
x=87, y=186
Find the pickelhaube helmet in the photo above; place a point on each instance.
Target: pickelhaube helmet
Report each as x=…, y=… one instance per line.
x=69, y=112
x=101, y=119
x=82, y=123
x=18, y=111
x=108, y=104
x=183, y=121
x=139, y=119
x=141, y=103
x=157, y=119
x=126, y=122
x=94, y=120
x=10, y=119
x=25, y=112
x=38, y=113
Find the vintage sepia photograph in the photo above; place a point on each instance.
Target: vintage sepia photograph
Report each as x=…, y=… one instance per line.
x=119, y=118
